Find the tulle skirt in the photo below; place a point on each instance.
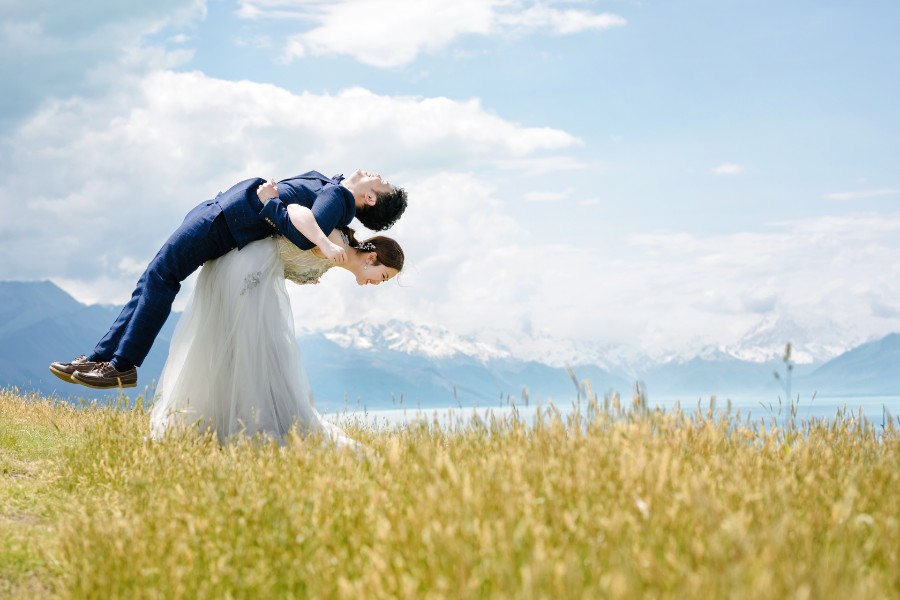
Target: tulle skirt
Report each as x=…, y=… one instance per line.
x=234, y=366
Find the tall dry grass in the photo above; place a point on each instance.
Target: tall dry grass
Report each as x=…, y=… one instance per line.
x=614, y=503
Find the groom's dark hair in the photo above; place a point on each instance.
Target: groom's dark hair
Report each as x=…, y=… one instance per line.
x=388, y=207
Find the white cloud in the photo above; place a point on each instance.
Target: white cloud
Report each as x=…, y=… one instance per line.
x=104, y=181
x=94, y=186
x=728, y=169
x=477, y=268
x=862, y=194
x=547, y=196
x=91, y=188
x=93, y=181
x=561, y=22
x=391, y=33
x=809, y=270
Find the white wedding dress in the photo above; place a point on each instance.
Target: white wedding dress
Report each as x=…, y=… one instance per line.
x=234, y=365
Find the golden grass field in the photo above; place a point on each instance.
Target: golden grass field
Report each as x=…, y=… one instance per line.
x=619, y=504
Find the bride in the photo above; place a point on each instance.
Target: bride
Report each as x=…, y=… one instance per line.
x=234, y=365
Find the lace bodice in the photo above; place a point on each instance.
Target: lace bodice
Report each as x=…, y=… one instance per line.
x=301, y=266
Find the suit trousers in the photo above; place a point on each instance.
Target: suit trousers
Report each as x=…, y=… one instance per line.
x=203, y=236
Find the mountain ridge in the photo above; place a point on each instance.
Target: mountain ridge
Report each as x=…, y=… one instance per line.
x=380, y=364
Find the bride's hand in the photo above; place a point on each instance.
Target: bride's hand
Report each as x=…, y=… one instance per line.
x=267, y=191
x=336, y=254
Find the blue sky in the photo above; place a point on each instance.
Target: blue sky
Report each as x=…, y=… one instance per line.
x=664, y=175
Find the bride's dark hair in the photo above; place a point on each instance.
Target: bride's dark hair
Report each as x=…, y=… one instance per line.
x=387, y=251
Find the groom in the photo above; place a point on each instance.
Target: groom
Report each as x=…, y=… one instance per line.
x=247, y=212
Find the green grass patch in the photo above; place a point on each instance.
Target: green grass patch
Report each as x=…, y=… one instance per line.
x=619, y=503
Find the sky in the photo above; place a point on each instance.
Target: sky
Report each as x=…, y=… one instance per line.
x=661, y=175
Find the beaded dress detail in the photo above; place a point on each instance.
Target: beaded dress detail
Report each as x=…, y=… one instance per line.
x=301, y=266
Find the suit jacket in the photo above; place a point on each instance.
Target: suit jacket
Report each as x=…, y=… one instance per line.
x=248, y=220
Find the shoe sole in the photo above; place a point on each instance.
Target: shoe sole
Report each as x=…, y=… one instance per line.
x=105, y=387
x=63, y=375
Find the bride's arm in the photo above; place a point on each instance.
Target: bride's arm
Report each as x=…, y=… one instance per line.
x=305, y=222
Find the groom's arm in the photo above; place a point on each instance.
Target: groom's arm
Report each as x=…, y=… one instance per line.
x=327, y=211
x=305, y=222
x=275, y=213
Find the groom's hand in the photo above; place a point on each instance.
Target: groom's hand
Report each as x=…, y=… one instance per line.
x=333, y=252
x=267, y=191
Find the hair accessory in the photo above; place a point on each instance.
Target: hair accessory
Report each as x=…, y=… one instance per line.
x=366, y=247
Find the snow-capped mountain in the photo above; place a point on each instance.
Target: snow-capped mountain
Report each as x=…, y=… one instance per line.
x=745, y=366
x=763, y=343
x=811, y=343
x=440, y=343
x=558, y=352
x=497, y=361
x=411, y=338
x=429, y=365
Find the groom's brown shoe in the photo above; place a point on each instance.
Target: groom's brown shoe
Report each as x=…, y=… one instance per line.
x=65, y=370
x=105, y=376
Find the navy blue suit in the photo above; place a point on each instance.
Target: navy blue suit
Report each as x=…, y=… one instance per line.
x=232, y=219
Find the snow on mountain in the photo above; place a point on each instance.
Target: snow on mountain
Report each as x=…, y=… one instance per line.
x=810, y=342
x=411, y=338
x=557, y=352
x=438, y=342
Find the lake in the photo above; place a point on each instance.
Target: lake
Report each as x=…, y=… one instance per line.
x=875, y=409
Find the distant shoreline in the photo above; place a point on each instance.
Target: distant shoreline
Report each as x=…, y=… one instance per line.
x=875, y=409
